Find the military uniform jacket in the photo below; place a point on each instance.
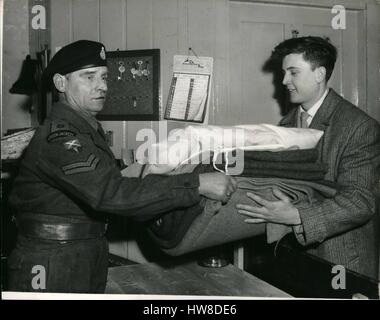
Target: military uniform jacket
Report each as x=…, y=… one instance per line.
x=69, y=171
x=345, y=229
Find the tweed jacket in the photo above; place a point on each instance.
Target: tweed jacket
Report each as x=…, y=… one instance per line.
x=69, y=172
x=345, y=229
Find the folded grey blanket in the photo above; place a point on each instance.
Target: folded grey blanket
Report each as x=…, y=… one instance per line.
x=288, y=164
x=298, y=156
x=287, y=174
x=287, y=170
x=219, y=224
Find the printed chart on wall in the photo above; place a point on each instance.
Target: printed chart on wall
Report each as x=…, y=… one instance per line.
x=189, y=92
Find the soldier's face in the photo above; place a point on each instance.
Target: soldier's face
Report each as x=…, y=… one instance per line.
x=302, y=82
x=86, y=89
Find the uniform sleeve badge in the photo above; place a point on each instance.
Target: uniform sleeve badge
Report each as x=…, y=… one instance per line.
x=73, y=145
x=59, y=130
x=81, y=166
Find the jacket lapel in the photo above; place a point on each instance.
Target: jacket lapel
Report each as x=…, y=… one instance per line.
x=290, y=120
x=323, y=117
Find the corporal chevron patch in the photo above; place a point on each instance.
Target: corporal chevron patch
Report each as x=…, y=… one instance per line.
x=81, y=166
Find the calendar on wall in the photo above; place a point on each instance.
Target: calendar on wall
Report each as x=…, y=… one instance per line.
x=189, y=92
x=133, y=85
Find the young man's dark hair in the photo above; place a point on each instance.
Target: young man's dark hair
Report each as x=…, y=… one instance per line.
x=318, y=51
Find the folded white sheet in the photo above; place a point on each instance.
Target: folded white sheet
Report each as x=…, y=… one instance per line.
x=194, y=144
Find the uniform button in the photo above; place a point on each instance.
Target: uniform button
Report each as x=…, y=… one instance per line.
x=158, y=222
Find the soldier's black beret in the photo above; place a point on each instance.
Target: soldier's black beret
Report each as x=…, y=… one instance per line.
x=75, y=56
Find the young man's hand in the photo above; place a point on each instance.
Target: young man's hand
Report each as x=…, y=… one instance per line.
x=281, y=211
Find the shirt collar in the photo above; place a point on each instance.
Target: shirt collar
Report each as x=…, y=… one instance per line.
x=90, y=119
x=313, y=110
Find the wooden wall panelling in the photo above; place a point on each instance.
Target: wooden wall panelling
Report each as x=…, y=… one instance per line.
x=86, y=20
x=201, y=34
x=139, y=24
x=112, y=32
x=166, y=35
x=254, y=30
x=203, y=26
x=181, y=47
x=113, y=24
x=61, y=24
x=174, y=26
x=15, y=48
x=170, y=35
x=139, y=36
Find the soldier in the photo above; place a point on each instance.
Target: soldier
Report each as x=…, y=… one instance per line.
x=68, y=182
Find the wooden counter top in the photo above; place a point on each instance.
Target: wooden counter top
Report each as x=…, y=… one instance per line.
x=188, y=279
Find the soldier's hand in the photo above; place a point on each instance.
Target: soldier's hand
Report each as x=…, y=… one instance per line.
x=216, y=186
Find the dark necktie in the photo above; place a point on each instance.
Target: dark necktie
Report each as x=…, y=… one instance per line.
x=304, y=117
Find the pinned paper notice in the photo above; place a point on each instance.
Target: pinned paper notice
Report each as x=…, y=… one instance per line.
x=190, y=89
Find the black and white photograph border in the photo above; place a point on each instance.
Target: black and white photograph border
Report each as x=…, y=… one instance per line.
x=321, y=254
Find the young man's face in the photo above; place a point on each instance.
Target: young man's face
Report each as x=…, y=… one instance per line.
x=86, y=89
x=302, y=82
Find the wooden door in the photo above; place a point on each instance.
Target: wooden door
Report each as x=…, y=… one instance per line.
x=255, y=29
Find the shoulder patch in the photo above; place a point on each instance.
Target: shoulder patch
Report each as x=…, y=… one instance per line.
x=81, y=166
x=60, y=134
x=57, y=125
x=59, y=130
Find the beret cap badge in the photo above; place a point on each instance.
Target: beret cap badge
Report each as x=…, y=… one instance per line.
x=103, y=54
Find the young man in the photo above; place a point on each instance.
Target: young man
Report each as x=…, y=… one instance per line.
x=343, y=230
x=68, y=182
